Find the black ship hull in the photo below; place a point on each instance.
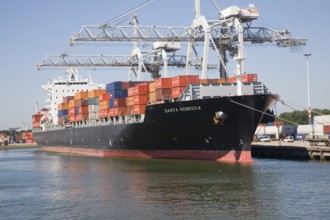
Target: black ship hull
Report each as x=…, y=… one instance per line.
x=174, y=130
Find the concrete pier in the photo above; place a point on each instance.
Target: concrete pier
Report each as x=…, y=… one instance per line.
x=297, y=150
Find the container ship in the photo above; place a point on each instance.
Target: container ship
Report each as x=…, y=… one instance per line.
x=186, y=116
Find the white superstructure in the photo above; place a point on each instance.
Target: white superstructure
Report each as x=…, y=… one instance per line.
x=62, y=87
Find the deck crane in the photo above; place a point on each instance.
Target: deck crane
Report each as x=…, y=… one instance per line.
x=226, y=36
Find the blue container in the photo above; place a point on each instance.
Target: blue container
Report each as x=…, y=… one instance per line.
x=270, y=124
x=62, y=113
x=111, y=103
x=77, y=110
x=113, y=86
x=124, y=93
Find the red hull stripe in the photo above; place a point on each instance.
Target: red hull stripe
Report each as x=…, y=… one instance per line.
x=221, y=156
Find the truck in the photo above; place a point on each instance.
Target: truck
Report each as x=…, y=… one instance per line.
x=314, y=140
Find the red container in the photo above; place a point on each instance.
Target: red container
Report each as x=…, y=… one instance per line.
x=81, y=117
x=140, y=100
x=250, y=78
x=139, y=109
x=83, y=110
x=104, y=97
x=177, y=91
x=72, y=118
x=120, y=102
x=162, y=94
x=140, y=90
x=163, y=83
x=326, y=129
x=129, y=110
x=72, y=111
x=103, y=113
x=183, y=81
x=130, y=91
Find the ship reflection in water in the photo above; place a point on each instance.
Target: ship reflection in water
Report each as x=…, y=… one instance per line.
x=62, y=186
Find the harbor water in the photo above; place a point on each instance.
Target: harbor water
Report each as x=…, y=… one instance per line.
x=41, y=185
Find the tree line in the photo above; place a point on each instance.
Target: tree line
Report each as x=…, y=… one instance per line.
x=301, y=117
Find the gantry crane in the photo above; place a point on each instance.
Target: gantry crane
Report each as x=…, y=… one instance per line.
x=226, y=36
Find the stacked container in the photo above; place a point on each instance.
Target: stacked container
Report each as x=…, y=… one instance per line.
x=118, y=94
x=72, y=110
x=81, y=106
x=63, y=110
x=163, y=89
x=27, y=137
x=104, y=99
x=179, y=83
x=93, y=103
x=36, y=120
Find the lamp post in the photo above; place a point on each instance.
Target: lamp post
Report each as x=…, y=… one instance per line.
x=307, y=55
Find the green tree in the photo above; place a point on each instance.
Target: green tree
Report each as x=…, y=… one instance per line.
x=301, y=117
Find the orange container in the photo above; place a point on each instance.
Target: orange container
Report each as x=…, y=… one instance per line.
x=67, y=99
x=140, y=90
x=120, y=111
x=72, y=103
x=95, y=93
x=163, y=83
x=152, y=97
x=222, y=80
x=326, y=129
x=81, y=117
x=103, y=113
x=140, y=100
x=81, y=95
x=181, y=81
x=192, y=79
x=103, y=105
x=104, y=97
x=231, y=80
x=152, y=87
x=139, y=109
x=129, y=110
x=163, y=94
x=62, y=106
x=176, y=92
x=129, y=101
x=250, y=78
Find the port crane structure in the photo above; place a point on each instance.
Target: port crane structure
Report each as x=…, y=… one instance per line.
x=226, y=35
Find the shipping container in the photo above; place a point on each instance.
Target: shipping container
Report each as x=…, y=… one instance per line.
x=104, y=97
x=129, y=101
x=93, y=101
x=120, y=111
x=183, y=81
x=62, y=106
x=72, y=103
x=72, y=111
x=152, y=97
x=93, y=116
x=67, y=99
x=163, y=83
x=326, y=129
x=129, y=110
x=82, y=110
x=95, y=93
x=61, y=113
x=152, y=87
x=118, y=94
x=139, y=109
x=140, y=99
x=177, y=91
x=250, y=78
x=120, y=102
x=104, y=105
x=72, y=118
x=140, y=90
x=93, y=108
x=113, y=86
x=163, y=94
x=81, y=103
x=81, y=95
x=81, y=117
x=103, y=113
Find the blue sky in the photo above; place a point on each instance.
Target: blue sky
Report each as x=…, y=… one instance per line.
x=32, y=29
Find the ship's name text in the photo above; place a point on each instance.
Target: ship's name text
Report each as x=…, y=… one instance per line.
x=183, y=109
